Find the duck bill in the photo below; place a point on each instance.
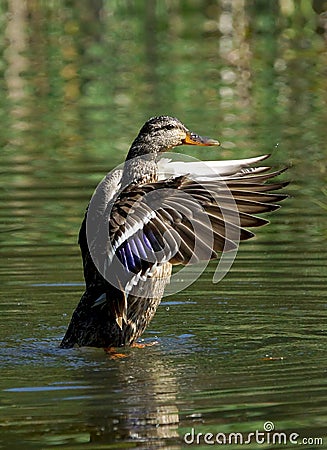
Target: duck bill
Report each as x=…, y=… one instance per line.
x=195, y=139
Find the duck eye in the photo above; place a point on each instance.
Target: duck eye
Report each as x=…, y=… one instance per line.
x=168, y=127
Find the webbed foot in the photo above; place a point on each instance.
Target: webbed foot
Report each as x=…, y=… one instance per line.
x=143, y=345
x=113, y=354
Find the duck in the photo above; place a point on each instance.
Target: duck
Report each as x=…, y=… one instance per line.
x=155, y=212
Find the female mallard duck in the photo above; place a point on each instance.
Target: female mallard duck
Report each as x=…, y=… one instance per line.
x=143, y=222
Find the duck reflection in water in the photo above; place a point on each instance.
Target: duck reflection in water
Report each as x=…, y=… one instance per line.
x=133, y=401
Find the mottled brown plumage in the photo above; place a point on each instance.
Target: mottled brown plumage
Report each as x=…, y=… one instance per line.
x=144, y=222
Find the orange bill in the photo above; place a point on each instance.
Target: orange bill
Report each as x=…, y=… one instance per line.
x=195, y=139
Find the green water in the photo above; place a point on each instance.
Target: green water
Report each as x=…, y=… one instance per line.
x=78, y=80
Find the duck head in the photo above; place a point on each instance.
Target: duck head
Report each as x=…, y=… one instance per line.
x=162, y=133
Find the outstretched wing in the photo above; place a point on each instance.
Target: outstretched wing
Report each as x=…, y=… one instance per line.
x=186, y=219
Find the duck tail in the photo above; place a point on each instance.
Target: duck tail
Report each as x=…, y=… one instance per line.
x=69, y=340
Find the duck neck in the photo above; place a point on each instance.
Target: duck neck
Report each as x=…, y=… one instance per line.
x=140, y=165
